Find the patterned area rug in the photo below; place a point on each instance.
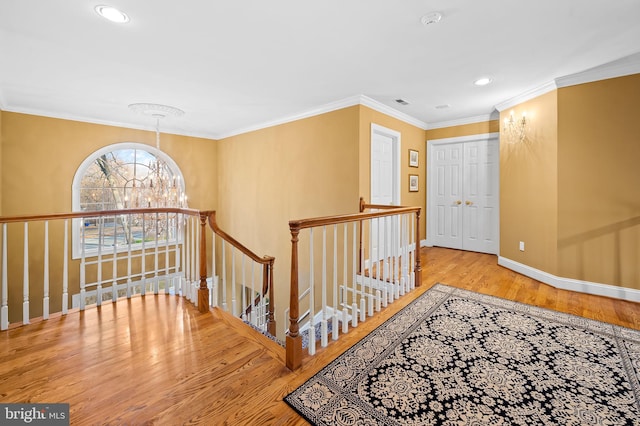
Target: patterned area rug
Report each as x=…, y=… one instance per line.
x=455, y=357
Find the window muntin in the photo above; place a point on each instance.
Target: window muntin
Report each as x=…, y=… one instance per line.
x=126, y=176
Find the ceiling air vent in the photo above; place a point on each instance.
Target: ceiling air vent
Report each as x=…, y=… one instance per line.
x=402, y=102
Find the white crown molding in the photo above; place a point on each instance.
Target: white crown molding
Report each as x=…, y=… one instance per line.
x=462, y=121
x=528, y=95
x=624, y=66
x=571, y=284
x=384, y=109
x=82, y=119
x=323, y=109
x=332, y=106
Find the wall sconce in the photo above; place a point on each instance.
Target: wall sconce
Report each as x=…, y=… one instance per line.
x=515, y=128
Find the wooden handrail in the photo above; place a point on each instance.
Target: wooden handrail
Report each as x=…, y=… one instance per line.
x=266, y=262
x=98, y=213
x=294, y=338
x=352, y=217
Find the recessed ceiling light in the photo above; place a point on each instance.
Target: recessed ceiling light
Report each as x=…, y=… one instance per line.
x=482, y=81
x=443, y=106
x=112, y=14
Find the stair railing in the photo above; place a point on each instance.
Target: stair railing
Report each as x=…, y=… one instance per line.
x=121, y=253
x=251, y=290
x=366, y=261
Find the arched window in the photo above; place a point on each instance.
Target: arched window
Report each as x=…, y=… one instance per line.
x=125, y=176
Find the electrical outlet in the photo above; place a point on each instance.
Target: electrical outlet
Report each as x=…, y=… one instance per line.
x=521, y=245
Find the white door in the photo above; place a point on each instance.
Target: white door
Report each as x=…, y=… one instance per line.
x=464, y=193
x=446, y=174
x=481, y=198
x=385, y=181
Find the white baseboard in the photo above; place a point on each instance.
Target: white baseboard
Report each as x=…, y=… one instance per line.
x=570, y=283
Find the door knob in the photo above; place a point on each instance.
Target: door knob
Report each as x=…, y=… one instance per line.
x=458, y=202
x=468, y=202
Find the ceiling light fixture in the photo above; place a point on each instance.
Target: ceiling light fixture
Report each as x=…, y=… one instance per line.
x=443, y=106
x=165, y=189
x=483, y=81
x=112, y=14
x=431, y=18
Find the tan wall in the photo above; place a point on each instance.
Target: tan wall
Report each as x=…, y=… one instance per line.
x=463, y=130
x=529, y=187
x=599, y=182
x=297, y=170
x=1, y=115
x=40, y=156
x=412, y=137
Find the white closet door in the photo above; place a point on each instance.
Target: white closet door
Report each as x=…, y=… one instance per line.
x=447, y=197
x=481, y=198
x=463, y=203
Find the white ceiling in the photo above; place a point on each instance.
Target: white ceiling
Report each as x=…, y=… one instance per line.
x=235, y=65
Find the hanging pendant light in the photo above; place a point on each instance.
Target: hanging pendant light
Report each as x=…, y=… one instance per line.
x=164, y=188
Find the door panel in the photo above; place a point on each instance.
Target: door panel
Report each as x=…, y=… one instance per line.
x=465, y=195
x=448, y=196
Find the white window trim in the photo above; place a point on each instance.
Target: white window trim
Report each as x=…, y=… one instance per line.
x=77, y=224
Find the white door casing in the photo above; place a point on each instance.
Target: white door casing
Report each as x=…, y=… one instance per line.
x=463, y=193
x=385, y=178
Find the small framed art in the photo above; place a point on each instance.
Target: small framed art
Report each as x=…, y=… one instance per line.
x=413, y=158
x=413, y=183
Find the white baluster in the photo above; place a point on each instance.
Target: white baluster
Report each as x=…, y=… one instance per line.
x=114, y=265
x=312, y=325
x=156, y=263
x=143, y=272
x=25, y=277
x=4, y=310
x=243, y=290
x=100, y=240
x=166, y=256
x=334, y=320
x=195, y=250
x=178, y=260
x=83, y=268
x=45, y=278
x=234, y=302
x=384, y=274
x=214, y=288
x=323, y=323
x=224, y=276
x=186, y=260
x=354, y=304
x=365, y=296
x=129, y=243
x=65, y=269
x=253, y=317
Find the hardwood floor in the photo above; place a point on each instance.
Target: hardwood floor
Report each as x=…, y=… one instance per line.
x=156, y=360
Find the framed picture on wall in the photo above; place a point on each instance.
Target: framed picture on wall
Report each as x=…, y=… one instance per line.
x=413, y=158
x=413, y=183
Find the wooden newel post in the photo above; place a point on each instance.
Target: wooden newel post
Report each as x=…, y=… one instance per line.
x=418, y=266
x=294, y=339
x=203, y=291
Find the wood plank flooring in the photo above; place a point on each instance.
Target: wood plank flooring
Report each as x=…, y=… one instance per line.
x=156, y=360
